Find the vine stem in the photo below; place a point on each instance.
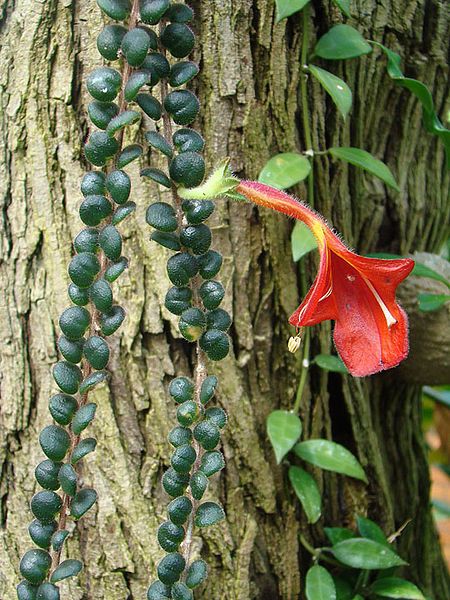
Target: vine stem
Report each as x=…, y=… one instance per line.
x=306, y=14
x=200, y=371
x=94, y=327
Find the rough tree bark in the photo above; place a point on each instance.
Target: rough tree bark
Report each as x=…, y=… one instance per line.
x=248, y=90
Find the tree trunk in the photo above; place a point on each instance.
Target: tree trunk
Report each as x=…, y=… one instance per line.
x=250, y=110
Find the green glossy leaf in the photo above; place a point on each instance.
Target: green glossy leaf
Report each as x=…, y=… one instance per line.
x=319, y=584
x=307, y=492
x=344, y=6
x=286, y=8
x=331, y=457
x=339, y=91
x=341, y=42
x=432, y=302
x=338, y=534
x=371, y=530
x=394, y=587
x=431, y=120
x=302, y=240
x=364, y=160
x=68, y=568
x=361, y=553
x=285, y=170
x=329, y=362
x=284, y=429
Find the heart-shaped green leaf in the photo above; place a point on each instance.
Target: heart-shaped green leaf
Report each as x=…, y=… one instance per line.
x=361, y=553
x=285, y=170
x=307, y=492
x=319, y=584
x=364, y=160
x=341, y=42
x=339, y=91
x=284, y=429
x=331, y=457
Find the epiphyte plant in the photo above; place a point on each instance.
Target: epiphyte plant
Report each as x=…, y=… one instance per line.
x=146, y=38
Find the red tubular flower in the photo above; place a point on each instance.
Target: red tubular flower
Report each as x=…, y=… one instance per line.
x=358, y=293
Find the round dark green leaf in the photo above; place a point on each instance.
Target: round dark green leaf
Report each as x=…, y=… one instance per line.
x=35, y=565
x=208, y=513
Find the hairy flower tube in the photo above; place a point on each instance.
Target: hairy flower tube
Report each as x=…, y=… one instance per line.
x=358, y=293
